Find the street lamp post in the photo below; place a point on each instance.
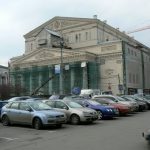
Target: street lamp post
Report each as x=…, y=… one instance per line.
x=61, y=66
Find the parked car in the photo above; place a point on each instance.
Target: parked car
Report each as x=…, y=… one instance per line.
x=75, y=112
x=141, y=105
x=139, y=99
x=147, y=97
x=55, y=97
x=119, y=100
x=142, y=98
x=18, y=98
x=2, y=103
x=146, y=135
x=74, y=97
x=34, y=99
x=123, y=109
x=34, y=113
x=104, y=111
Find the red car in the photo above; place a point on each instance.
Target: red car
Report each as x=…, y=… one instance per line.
x=123, y=109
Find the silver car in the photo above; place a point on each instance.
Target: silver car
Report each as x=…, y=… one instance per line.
x=34, y=113
x=131, y=105
x=75, y=112
x=18, y=98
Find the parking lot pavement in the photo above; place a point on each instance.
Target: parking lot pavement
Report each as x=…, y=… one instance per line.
x=117, y=134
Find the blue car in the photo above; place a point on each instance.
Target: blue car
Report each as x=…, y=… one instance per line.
x=104, y=111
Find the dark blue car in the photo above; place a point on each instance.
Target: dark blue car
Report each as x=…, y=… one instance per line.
x=104, y=111
x=2, y=103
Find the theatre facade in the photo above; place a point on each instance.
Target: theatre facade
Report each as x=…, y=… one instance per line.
x=80, y=52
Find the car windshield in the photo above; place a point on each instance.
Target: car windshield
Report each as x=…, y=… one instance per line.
x=54, y=97
x=104, y=100
x=119, y=98
x=39, y=106
x=72, y=97
x=93, y=102
x=138, y=98
x=131, y=96
x=73, y=105
x=127, y=98
x=147, y=97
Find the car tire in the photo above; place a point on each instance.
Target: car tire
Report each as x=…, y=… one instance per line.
x=5, y=120
x=75, y=119
x=59, y=125
x=100, y=115
x=37, y=123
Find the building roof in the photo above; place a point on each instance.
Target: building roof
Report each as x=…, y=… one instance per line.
x=4, y=67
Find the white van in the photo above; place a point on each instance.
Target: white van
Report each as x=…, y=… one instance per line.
x=90, y=92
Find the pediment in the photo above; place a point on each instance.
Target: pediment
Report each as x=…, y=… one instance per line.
x=59, y=23
x=50, y=57
x=40, y=55
x=44, y=54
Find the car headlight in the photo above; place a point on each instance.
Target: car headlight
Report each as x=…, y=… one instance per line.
x=109, y=109
x=51, y=117
x=85, y=113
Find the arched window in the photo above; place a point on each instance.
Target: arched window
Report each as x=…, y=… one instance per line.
x=76, y=38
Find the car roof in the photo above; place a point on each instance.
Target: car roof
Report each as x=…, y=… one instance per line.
x=19, y=98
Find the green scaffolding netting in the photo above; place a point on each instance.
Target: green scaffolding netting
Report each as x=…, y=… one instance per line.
x=29, y=79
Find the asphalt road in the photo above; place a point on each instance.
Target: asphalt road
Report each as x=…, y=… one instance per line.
x=123, y=133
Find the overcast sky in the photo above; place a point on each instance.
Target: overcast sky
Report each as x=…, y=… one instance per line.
x=18, y=17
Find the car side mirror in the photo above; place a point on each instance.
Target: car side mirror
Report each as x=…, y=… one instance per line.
x=29, y=109
x=65, y=107
x=86, y=105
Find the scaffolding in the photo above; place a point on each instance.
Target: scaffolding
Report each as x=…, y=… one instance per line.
x=29, y=79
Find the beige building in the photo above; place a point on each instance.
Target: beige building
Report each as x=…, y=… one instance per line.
x=93, y=54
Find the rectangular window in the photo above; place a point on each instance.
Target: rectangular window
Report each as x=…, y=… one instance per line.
x=133, y=78
x=129, y=51
x=76, y=38
x=132, y=52
x=137, y=78
x=86, y=36
x=79, y=37
x=135, y=54
x=130, y=78
x=31, y=46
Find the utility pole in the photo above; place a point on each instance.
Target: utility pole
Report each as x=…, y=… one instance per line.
x=119, y=78
x=61, y=66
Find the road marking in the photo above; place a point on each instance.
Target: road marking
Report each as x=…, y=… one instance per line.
x=8, y=139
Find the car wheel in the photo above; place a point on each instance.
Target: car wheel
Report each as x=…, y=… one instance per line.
x=5, y=121
x=75, y=119
x=37, y=123
x=59, y=125
x=100, y=115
